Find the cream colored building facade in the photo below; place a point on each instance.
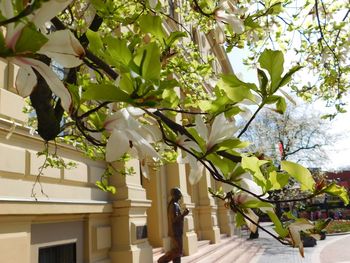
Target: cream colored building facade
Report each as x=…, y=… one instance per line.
x=72, y=214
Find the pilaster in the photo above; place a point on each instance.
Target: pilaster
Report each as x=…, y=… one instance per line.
x=129, y=219
x=176, y=177
x=225, y=217
x=207, y=211
x=156, y=215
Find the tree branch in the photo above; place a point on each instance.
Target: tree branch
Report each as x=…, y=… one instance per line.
x=30, y=8
x=251, y=119
x=101, y=64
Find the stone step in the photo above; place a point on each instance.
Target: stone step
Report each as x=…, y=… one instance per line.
x=205, y=251
x=220, y=252
x=223, y=236
x=157, y=253
x=251, y=255
x=203, y=243
x=244, y=253
x=229, y=250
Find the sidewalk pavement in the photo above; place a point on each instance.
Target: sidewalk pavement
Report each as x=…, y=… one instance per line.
x=334, y=249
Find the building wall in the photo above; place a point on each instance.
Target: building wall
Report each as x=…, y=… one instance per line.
x=68, y=207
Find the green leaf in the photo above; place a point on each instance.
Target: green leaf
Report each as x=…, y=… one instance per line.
x=272, y=99
x=105, y=92
x=118, y=51
x=281, y=105
x=253, y=164
x=236, y=90
x=168, y=84
x=173, y=37
x=95, y=119
x=278, y=180
x=239, y=220
x=231, y=144
x=218, y=105
x=148, y=59
x=288, y=76
x=30, y=40
x=95, y=42
x=98, y=4
x=337, y=190
x=249, y=22
x=4, y=51
x=236, y=172
x=275, y=9
x=300, y=173
x=153, y=25
x=2, y=42
x=290, y=215
x=170, y=98
x=111, y=189
x=263, y=80
x=272, y=61
x=255, y=203
x=74, y=91
x=225, y=166
x=201, y=142
x=280, y=230
x=126, y=84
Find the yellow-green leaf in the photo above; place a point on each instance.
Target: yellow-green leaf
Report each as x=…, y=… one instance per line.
x=337, y=190
x=300, y=173
x=253, y=164
x=278, y=180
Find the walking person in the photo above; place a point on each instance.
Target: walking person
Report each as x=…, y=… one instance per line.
x=175, y=228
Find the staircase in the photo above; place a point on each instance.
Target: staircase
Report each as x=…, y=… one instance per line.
x=229, y=250
x=157, y=253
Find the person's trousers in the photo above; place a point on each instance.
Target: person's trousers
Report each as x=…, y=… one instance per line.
x=175, y=253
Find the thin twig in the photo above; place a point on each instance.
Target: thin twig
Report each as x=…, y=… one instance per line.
x=25, y=12
x=183, y=111
x=257, y=225
x=250, y=120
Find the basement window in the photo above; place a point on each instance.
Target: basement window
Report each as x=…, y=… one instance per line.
x=65, y=253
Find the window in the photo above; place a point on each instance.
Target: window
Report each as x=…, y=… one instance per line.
x=58, y=254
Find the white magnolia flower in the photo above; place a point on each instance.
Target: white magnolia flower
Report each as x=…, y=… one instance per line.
x=251, y=186
x=294, y=232
x=229, y=6
x=231, y=19
x=247, y=182
x=219, y=33
x=196, y=167
x=228, y=13
x=240, y=198
x=221, y=130
x=128, y=133
x=61, y=46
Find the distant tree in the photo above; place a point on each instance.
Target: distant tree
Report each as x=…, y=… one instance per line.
x=299, y=135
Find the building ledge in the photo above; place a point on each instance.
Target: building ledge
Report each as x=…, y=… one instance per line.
x=28, y=206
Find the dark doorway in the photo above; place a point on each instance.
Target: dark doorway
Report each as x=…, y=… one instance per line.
x=58, y=254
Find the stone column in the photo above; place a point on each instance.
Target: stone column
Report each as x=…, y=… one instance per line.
x=156, y=215
x=175, y=175
x=207, y=211
x=225, y=216
x=129, y=219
